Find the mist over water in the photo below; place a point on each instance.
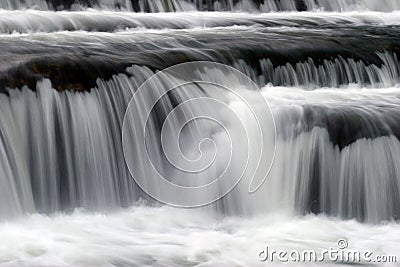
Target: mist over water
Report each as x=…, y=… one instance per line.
x=74, y=77
x=143, y=236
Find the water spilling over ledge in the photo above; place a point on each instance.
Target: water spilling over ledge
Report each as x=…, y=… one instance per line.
x=75, y=59
x=204, y=5
x=72, y=75
x=50, y=123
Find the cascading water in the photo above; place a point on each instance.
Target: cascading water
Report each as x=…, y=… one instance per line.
x=80, y=80
x=210, y=5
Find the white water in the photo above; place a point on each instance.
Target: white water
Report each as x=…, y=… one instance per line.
x=337, y=144
x=99, y=21
x=331, y=73
x=212, y=5
x=86, y=168
x=144, y=236
x=91, y=173
x=366, y=170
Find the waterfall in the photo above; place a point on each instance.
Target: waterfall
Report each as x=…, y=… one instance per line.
x=210, y=5
x=63, y=150
x=335, y=156
x=34, y=21
x=65, y=91
x=199, y=132
x=330, y=73
x=44, y=169
x=74, y=49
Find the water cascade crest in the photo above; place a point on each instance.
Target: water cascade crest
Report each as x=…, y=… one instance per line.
x=197, y=132
x=67, y=77
x=204, y=5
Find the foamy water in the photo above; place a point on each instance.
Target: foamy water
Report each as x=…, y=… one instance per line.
x=332, y=82
x=143, y=236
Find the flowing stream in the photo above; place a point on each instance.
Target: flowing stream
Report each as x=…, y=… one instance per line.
x=328, y=69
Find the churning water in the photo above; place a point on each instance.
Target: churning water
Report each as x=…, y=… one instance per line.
x=74, y=77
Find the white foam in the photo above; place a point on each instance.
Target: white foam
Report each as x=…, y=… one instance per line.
x=144, y=236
